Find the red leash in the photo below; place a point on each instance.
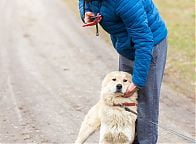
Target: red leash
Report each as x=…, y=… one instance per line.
x=125, y=104
x=95, y=21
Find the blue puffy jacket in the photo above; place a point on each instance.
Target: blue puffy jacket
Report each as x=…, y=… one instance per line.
x=135, y=27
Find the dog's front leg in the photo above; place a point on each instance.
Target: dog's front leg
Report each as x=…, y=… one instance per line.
x=89, y=125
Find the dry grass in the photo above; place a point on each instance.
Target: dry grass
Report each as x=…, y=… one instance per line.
x=180, y=19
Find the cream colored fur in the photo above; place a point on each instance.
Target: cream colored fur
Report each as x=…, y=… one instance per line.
x=117, y=126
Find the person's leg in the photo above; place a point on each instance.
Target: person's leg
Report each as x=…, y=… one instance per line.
x=148, y=106
x=125, y=64
x=148, y=101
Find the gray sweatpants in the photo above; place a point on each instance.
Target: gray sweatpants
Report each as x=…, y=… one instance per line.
x=148, y=100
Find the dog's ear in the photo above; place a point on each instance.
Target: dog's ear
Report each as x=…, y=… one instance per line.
x=107, y=77
x=128, y=76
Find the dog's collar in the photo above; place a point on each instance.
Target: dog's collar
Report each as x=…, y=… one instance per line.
x=125, y=104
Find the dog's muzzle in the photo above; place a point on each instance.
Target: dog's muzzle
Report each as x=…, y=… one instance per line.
x=119, y=88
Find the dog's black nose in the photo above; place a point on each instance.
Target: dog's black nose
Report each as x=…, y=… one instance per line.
x=118, y=86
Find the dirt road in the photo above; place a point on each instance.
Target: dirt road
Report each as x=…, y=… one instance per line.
x=50, y=75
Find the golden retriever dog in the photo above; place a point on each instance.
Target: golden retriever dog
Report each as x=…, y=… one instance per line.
x=113, y=114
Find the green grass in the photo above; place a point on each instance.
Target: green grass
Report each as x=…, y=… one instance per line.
x=180, y=18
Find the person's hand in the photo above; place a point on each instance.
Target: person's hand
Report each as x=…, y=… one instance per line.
x=130, y=90
x=87, y=18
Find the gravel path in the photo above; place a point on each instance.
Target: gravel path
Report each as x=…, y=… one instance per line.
x=50, y=75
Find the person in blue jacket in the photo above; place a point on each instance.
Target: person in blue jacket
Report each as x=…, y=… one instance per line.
x=139, y=35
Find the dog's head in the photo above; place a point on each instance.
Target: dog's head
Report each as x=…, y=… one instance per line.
x=116, y=83
x=114, y=87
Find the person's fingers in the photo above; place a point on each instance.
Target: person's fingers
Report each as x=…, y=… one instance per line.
x=89, y=14
x=129, y=94
x=131, y=90
x=99, y=19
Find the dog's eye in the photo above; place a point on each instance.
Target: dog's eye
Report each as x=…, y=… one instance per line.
x=114, y=79
x=124, y=80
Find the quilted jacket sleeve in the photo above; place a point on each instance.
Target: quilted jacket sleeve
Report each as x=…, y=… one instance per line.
x=134, y=17
x=81, y=8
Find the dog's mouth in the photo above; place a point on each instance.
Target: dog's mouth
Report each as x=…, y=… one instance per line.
x=118, y=91
x=119, y=94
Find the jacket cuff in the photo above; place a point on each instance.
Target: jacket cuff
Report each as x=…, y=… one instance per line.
x=139, y=86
